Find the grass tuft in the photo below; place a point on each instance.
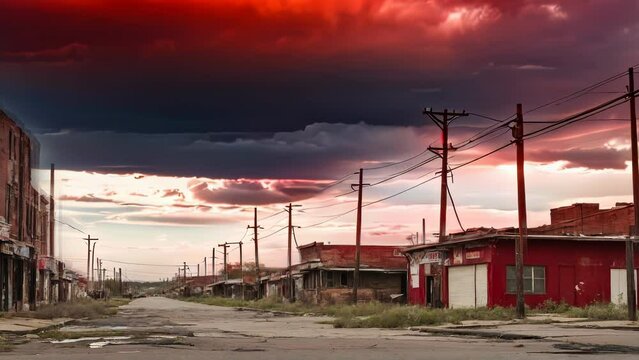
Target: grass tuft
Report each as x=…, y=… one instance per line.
x=78, y=309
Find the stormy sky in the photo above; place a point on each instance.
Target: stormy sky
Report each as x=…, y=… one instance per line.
x=203, y=109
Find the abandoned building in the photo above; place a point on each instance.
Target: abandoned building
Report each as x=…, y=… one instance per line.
x=325, y=274
x=29, y=275
x=578, y=259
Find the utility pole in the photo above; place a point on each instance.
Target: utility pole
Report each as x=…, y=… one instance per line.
x=358, y=232
x=120, y=279
x=291, y=290
x=114, y=278
x=442, y=120
x=92, y=261
x=89, y=267
x=225, y=245
x=205, y=266
x=241, y=265
x=184, y=273
x=520, y=243
x=423, y=230
x=103, y=278
x=630, y=252
x=198, y=270
x=255, y=227
x=213, y=263
x=52, y=213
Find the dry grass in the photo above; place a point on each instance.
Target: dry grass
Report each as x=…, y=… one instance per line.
x=404, y=316
x=79, y=309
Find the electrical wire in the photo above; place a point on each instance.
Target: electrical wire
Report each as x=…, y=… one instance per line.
x=69, y=225
x=397, y=162
x=452, y=202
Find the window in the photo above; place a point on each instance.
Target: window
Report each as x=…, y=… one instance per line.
x=534, y=280
x=343, y=278
x=336, y=279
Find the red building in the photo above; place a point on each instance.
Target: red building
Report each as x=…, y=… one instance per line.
x=476, y=268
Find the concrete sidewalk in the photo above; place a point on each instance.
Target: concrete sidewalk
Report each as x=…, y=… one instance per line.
x=599, y=333
x=19, y=325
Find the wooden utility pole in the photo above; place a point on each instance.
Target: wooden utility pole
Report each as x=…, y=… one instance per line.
x=198, y=270
x=89, y=267
x=184, y=265
x=205, y=266
x=291, y=290
x=52, y=213
x=442, y=120
x=225, y=245
x=358, y=233
x=92, y=261
x=423, y=231
x=213, y=263
x=255, y=227
x=241, y=265
x=630, y=252
x=120, y=279
x=103, y=278
x=520, y=243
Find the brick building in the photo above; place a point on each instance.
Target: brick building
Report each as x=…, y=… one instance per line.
x=28, y=275
x=589, y=219
x=325, y=273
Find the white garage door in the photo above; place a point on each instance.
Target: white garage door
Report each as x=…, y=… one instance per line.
x=618, y=286
x=468, y=286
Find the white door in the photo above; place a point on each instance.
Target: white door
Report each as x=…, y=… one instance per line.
x=468, y=286
x=481, y=285
x=618, y=286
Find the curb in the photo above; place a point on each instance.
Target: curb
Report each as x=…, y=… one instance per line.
x=38, y=329
x=483, y=334
x=274, y=312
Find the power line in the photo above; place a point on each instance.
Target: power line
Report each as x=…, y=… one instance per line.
x=71, y=226
x=140, y=264
x=578, y=93
x=273, y=233
x=397, y=162
x=452, y=202
x=581, y=115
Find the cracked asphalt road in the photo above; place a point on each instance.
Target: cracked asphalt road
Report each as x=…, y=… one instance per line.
x=196, y=331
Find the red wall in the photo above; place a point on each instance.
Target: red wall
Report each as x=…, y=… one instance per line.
x=590, y=262
x=417, y=296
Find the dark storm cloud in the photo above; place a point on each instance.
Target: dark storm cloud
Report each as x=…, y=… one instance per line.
x=320, y=151
x=597, y=159
x=255, y=89
x=254, y=66
x=65, y=54
x=251, y=192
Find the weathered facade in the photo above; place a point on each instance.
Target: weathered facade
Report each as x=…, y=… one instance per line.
x=325, y=273
x=579, y=259
x=28, y=274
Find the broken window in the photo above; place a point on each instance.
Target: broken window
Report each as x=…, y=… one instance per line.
x=534, y=280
